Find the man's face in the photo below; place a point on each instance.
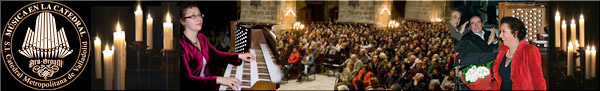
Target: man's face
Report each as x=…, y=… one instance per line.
x=455, y=18
x=475, y=23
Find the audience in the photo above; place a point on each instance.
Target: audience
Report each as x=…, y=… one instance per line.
x=394, y=56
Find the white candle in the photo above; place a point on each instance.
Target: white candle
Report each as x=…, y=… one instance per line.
x=581, y=31
x=168, y=33
x=564, y=35
x=98, y=58
x=573, y=33
x=588, y=63
x=149, y=31
x=557, y=29
x=120, y=58
x=593, y=51
x=138, y=24
x=569, y=59
x=108, y=68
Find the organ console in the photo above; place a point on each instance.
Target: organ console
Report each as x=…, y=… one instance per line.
x=253, y=74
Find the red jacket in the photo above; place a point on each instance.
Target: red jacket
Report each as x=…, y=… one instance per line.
x=526, y=68
x=294, y=57
x=366, y=79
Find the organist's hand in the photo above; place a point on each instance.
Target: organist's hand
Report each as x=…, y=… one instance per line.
x=231, y=82
x=246, y=57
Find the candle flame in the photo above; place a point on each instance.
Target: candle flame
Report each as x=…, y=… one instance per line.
x=138, y=11
x=106, y=50
x=168, y=17
x=149, y=17
x=570, y=45
x=118, y=27
x=97, y=41
x=557, y=14
x=587, y=49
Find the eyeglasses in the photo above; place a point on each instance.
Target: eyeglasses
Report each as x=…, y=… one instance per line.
x=194, y=16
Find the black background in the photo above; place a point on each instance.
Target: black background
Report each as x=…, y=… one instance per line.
x=82, y=9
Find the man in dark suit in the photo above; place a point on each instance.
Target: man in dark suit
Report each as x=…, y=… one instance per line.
x=478, y=40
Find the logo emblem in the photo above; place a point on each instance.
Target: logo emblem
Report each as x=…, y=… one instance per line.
x=45, y=45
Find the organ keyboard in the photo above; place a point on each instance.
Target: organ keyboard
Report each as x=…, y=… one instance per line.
x=261, y=69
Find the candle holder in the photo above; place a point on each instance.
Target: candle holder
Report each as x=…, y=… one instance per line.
x=138, y=46
x=148, y=55
x=580, y=72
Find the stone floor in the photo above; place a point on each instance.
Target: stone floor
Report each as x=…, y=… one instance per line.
x=319, y=82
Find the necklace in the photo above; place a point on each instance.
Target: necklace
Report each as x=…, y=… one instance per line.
x=195, y=42
x=509, y=57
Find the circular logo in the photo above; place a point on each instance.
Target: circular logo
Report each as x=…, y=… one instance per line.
x=45, y=45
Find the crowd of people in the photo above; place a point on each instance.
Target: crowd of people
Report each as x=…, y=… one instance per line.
x=413, y=56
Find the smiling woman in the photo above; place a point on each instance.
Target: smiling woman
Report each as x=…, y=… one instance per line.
x=518, y=65
x=196, y=53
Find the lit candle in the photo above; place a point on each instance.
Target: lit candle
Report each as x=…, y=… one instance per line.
x=557, y=29
x=149, y=31
x=564, y=35
x=588, y=63
x=120, y=58
x=108, y=68
x=593, y=52
x=573, y=33
x=138, y=24
x=98, y=59
x=569, y=59
x=581, y=30
x=168, y=33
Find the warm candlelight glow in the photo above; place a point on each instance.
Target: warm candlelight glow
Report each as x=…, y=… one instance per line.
x=576, y=43
x=564, y=35
x=573, y=34
x=570, y=59
x=168, y=33
x=108, y=68
x=139, y=37
x=168, y=17
x=588, y=64
x=581, y=30
x=557, y=30
x=149, y=31
x=593, y=59
x=119, y=57
x=97, y=58
x=118, y=27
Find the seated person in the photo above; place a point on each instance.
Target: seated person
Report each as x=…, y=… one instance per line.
x=374, y=84
x=293, y=60
x=417, y=83
x=448, y=82
x=395, y=87
x=357, y=63
x=392, y=77
x=362, y=79
x=434, y=84
x=346, y=76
